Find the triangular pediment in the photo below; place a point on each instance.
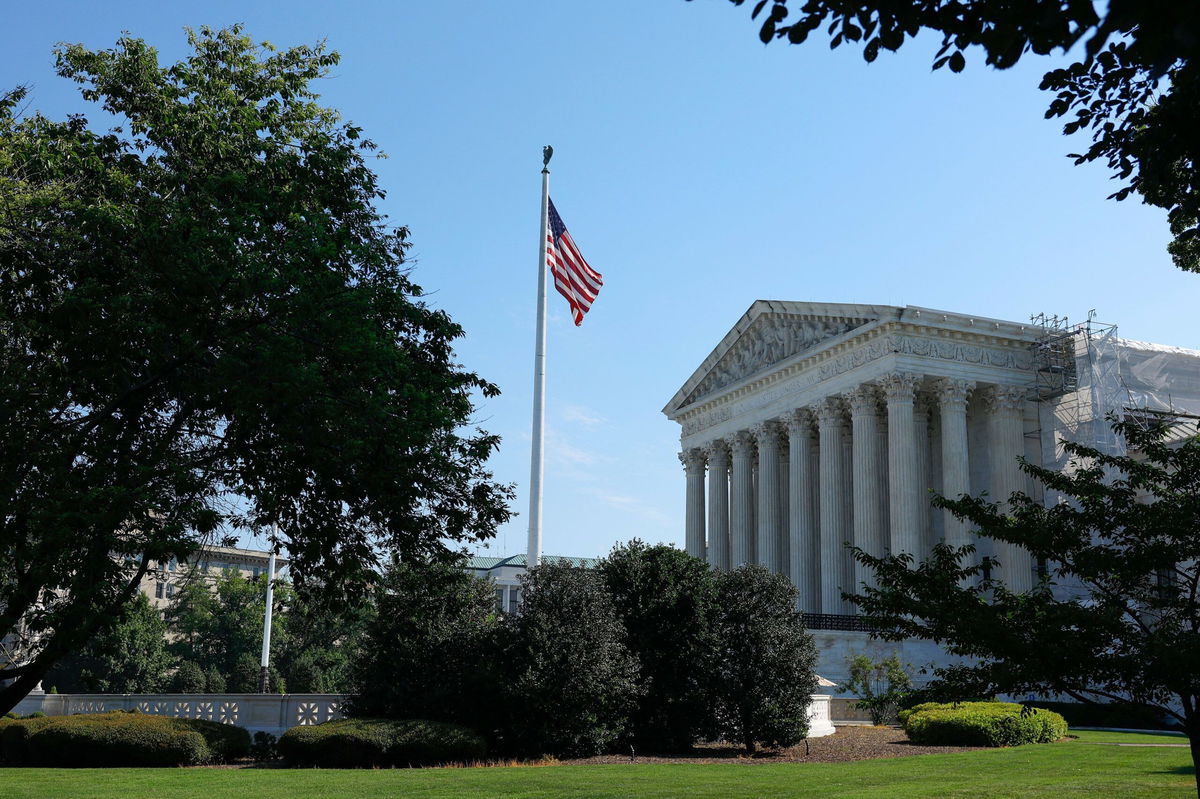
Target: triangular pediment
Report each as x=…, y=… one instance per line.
x=770, y=333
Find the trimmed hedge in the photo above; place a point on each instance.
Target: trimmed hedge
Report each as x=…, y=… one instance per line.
x=981, y=724
x=119, y=738
x=374, y=743
x=14, y=738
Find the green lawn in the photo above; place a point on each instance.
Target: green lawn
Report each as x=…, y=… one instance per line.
x=1062, y=771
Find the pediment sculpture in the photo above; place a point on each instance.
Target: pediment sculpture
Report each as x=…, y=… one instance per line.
x=770, y=339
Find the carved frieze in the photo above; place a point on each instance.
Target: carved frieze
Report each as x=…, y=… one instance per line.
x=770, y=339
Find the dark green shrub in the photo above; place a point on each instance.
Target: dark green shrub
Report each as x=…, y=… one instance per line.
x=373, y=743
x=117, y=739
x=265, y=746
x=1115, y=714
x=981, y=724
x=14, y=738
x=226, y=741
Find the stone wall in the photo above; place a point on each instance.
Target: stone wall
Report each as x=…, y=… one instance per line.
x=273, y=713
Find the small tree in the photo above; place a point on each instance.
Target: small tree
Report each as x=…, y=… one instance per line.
x=1117, y=615
x=881, y=686
x=429, y=651
x=665, y=599
x=764, y=676
x=574, y=683
x=130, y=657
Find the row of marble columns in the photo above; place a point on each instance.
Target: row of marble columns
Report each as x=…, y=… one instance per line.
x=789, y=492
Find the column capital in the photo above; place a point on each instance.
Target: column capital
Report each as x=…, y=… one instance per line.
x=798, y=422
x=717, y=452
x=952, y=393
x=864, y=400
x=693, y=460
x=831, y=410
x=900, y=386
x=740, y=443
x=998, y=398
x=768, y=432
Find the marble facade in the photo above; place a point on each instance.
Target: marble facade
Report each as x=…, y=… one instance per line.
x=814, y=425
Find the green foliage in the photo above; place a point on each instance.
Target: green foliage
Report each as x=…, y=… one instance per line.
x=323, y=643
x=982, y=724
x=208, y=326
x=1125, y=542
x=265, y=746
x=128, y=657
x=374, y=743
x=226, y=741
x=119, y=738
x=665, y=600
x=430, y=649
x=764, y=675
x=572, y=681
x=14, y=738
x=1136, y=85
x=881, y=686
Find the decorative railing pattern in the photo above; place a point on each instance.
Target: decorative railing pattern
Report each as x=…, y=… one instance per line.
x=272, y=713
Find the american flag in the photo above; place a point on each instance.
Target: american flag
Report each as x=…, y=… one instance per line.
x=573, y=278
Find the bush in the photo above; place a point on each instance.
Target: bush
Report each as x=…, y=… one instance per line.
x=372, y=743
x=14, y=738
x=981, y=724
x=1115, y=714
x=226, y=741
x=117, y=739
x=265, y=746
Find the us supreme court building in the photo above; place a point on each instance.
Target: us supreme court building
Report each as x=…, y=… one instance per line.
x=811, y=425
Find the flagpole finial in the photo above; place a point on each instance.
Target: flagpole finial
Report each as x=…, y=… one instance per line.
x=547, y=154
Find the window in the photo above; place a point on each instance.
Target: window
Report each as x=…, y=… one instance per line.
x=170, y=589
x=171, y=565
x=255, y=571
x=158, y=590
x=514, y=599
x=500, y=599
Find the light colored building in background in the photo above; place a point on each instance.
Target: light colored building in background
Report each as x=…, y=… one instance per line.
x=506, y=573
x=163, y=579
x=814, y=425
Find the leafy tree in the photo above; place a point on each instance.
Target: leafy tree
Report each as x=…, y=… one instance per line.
x=189, y=678
x=128, y=657
x=323, y=643
x=220, y=626
x=764, y=677
x=1136, y=86
x=573, y=683
x=1117, y=616
x=665, y=600
x=881, y=685
x=429, y=651
x=208, y=329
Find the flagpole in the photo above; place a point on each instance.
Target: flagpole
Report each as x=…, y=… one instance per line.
x=534, y=552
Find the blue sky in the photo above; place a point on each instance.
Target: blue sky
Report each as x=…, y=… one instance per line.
x=698, y=171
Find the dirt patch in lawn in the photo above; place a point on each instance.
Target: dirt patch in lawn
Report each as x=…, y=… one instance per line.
x=847, y=744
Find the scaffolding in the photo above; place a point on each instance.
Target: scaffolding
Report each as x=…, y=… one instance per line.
x=1077, y=382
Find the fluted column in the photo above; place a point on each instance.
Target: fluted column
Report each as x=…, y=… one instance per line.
x=766, y=434
x=802, y=519
x=956, y=466
x=741, y=499
x=921, y=408
x=869, y=529
x=783, y=547
x=1005, y=407
x=693, y=464
x=833, y=526
x=717, y=453
x=905, y=530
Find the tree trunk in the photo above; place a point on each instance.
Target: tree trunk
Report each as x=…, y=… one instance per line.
x=1194, y=739
x=10, y=695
